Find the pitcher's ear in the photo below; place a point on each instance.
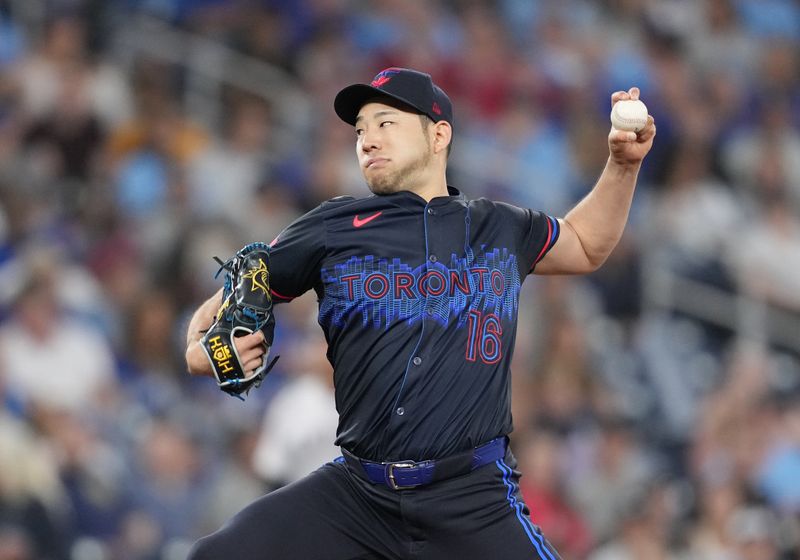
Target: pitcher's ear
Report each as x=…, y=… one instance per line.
x=442, y=137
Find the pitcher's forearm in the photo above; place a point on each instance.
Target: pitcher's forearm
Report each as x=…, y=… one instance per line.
x=599, y=219
x=196, y=360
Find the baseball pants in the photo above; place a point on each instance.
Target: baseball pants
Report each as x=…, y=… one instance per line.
x=335, y=513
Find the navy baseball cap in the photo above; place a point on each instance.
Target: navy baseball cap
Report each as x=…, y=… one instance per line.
x=413, y=88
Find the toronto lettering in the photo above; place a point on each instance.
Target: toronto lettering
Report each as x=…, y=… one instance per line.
x=378, y=285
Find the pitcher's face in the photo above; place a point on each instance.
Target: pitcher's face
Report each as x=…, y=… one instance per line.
x=393, y=147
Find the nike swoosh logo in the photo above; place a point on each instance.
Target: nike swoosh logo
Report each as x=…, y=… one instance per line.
x=358, y=222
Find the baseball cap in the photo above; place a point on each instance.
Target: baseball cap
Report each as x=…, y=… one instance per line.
x=413, y=88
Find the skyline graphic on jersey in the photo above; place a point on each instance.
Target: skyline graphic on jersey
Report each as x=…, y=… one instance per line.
x=384, y=291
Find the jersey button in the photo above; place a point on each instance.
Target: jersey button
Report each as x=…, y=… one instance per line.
x=429, y=311
x=431, y=211
x=433, y=258
x=400, y=411
x=417, y=360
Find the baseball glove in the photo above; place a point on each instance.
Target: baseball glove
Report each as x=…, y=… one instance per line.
x=246, y=308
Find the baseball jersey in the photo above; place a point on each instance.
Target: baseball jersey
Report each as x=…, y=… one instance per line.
x=418, y=302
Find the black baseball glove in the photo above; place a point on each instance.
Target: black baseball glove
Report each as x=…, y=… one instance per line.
x=246, y=308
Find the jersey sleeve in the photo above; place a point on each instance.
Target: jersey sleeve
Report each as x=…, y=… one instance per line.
x=295, y=257
x=537, y=233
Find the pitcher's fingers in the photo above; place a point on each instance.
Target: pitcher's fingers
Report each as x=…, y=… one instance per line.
x=649, y=130
x=620, y=136
x=249, y=341
x=252, y=354
x=255, y=338
x=633, y=93
x=619, y=96
x=251, y=365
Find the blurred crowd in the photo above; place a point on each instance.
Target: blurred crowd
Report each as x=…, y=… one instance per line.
x=643, y=431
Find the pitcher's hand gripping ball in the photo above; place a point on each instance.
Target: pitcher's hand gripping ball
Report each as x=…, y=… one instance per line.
x=246, y=308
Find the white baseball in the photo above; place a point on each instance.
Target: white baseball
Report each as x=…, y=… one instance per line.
x=629, y=114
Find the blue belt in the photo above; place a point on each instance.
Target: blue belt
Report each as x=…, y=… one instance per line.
x=410, y=474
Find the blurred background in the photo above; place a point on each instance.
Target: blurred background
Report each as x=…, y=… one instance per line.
x=656, y=402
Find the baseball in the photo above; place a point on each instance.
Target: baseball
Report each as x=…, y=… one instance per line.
x=629, y=114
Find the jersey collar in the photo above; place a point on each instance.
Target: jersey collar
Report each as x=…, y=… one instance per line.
x=455, y=200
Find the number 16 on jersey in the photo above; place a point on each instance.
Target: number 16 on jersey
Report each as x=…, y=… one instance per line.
x=483, y=338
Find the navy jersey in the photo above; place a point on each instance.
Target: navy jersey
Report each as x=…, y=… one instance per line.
x=418, y=302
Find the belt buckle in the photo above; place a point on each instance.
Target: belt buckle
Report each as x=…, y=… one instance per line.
x=390, y=474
